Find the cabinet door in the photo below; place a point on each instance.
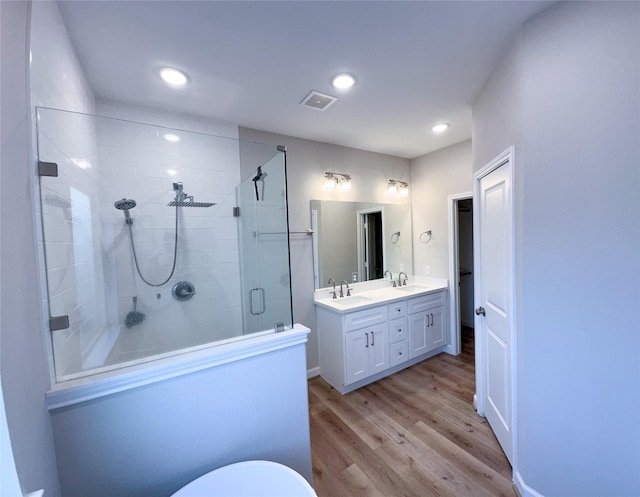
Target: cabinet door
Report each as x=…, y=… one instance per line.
x=378, y=348
x=357, y=344
x=419, y=338
x=436, y=328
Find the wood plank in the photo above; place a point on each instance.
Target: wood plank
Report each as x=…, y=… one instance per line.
x=414, y=433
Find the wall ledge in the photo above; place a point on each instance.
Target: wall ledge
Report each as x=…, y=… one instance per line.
x=93, y=387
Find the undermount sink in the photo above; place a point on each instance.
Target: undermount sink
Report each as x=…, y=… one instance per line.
x=411, y=288
x=355, y=300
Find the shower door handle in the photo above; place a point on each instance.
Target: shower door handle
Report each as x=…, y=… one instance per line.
x=261, y=301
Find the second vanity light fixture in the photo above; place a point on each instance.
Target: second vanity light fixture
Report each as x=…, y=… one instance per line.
x=396, y=186
x=334, y=180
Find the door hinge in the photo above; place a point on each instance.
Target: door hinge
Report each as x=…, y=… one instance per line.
x=236, y=212
x=58, y=323
x=47, y=168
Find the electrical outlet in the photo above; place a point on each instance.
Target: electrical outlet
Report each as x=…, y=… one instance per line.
x=354, y=277
x=401, y=267
x=427, y=270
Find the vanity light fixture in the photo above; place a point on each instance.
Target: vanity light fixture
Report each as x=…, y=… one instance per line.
x=333, y=180
x=173, y=76
x=343, y=81
x=396, y=186
x=439, y=128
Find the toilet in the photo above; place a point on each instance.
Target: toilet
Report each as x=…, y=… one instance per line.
x=249, y=479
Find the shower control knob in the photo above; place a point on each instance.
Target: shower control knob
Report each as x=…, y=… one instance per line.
x=480, y=311
x=183, y=290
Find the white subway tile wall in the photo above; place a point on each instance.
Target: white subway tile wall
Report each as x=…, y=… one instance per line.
x=91, y=271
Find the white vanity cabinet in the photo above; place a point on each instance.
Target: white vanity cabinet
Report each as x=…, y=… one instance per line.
x=361, y=345
x=426, y=323
x=366, y=352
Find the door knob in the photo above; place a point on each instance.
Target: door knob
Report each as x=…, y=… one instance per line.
x=480, y=311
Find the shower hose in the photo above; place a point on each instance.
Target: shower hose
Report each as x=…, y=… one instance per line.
x=175, y=253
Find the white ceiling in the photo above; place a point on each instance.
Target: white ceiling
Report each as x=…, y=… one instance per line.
x=251, y=63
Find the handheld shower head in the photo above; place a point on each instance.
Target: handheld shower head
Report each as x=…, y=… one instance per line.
x=125, y=205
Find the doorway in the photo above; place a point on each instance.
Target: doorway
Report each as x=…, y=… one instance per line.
x=461, y=283
x=370, y=250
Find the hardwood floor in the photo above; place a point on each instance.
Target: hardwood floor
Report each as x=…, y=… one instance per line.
x=412, y=434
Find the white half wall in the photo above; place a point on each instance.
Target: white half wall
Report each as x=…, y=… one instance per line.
x=152, y=440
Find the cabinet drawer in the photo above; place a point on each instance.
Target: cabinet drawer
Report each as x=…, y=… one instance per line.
x=419, y=304
x=398, y=330
x=364, y=318
x=398, y=352
x=398, y=309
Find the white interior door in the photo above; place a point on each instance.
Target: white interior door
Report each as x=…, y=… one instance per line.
x=494, y=298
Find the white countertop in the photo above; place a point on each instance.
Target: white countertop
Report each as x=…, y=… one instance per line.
x=372, y=293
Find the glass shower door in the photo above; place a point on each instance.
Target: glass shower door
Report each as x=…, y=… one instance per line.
x=264, y=248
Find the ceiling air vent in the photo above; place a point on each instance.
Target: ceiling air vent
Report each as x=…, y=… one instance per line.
x=318, y=101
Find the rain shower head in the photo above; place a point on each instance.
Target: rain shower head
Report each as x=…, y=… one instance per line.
x=125, y=205
x=182, y=199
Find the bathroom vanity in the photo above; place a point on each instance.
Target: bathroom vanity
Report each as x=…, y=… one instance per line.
x=378, y=331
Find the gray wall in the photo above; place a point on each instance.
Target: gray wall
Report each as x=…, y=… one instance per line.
x=23, y=363
x=307, y=162
x=434, y=177
x=151, y=441
x=567, y=96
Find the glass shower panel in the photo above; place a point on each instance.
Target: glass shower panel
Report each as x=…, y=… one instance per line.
x=264, y=239
x=72, y=238
x=112, y=234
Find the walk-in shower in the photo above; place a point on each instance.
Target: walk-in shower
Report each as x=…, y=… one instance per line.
x=162, y=280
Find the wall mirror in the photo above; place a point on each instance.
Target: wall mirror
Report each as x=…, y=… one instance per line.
x=359, y=241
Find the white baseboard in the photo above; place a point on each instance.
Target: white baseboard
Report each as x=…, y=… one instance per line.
x=523, y=489
x=313, y=372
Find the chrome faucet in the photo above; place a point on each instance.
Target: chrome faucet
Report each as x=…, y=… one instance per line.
x=400, y=280
x=331, y=280
x=348, y=291
x=390, y=275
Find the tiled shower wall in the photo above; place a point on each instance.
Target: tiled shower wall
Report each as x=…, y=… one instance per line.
x=90, y=269
x=138, y=163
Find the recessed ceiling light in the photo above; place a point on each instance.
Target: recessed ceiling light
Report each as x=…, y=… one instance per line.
x=343, y=81
x=170, y=137
x=173, y=76
x=439, y=128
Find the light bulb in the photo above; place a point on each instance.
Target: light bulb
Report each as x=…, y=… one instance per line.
x=392, y=188
x=173, y=76
x=439, y=128
x=330, y=183
x=345, y=185
x=404, y=191
x=170, y=137
x=344, y=81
